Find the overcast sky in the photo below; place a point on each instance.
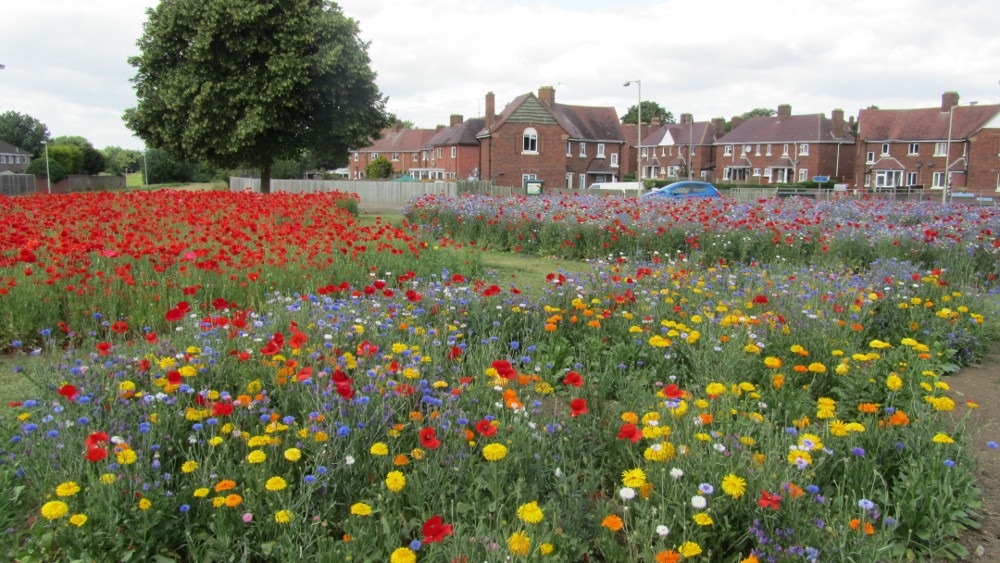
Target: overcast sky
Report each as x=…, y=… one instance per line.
x=66, y=59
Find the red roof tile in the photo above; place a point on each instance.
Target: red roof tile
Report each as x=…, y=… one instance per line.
x=923, y=124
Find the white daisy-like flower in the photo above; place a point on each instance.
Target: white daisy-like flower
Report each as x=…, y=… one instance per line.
x=626, y=493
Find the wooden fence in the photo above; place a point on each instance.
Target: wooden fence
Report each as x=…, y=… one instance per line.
x=376, y=191
x=17, y=184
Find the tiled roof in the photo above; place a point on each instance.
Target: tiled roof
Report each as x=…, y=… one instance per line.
x=698, y=133
x=629, y=133
x=923, y=124
x=8, y=148
x=583, y=123
x=462, y=134
x=404, y=140
x=812, y=128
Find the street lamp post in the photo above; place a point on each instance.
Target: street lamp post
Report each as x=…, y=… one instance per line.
x=638, y=143
x=947, y=159
x=145, y=168
x=48, y=177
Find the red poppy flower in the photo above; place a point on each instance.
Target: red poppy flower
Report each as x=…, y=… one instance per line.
x=428, y=438
x=151, y=337
x=573, y=378
x=767, y=500
x=486, y=428
x=491, y=291
x=672, y=391
x=455, y=353
x=174, y=315
x=413, y=296
x=220, y=304
x=96, y=438
x=96, y=454
x=760, y=299
x=68, y=391
x=435, y=529
x=174, y=377
x=304, y=374
x=103, y=348
x=222, y=409
x=629, y=432
x=578, y=406
x=121, y=327
x=504, y=369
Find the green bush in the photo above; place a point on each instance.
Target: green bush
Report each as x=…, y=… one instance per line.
x=55, y=170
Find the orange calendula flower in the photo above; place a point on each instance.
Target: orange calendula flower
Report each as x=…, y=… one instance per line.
x=869, y=408
x=612, y=522
x=668, y=556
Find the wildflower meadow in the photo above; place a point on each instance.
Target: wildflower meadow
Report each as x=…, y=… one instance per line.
x=243, y=377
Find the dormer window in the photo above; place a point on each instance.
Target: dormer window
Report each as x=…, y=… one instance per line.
x=530, y=141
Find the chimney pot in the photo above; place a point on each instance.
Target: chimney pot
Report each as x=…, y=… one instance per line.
x=687, y=119
x=784, y=110
x=490, y=110
x=837, y=119
x=456, y=119
x=547, y=95
x=949, y=100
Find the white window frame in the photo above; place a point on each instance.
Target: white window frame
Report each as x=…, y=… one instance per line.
x=768, y=151
x=356, y=155
x=804, y=149
x=583, y=181
x=694, y=149
x=529, y=141
x=440, y=152
x=727, y=150
x=454, y=152
x=569, y=180
x=885, y=149
x=784, y=150
x=395, y=157
x=913, y=149
x=600, y=150
x=911, y=179
x=767, y=172
x=756, y=171
x=998, y=182
x=415, y=157
x=645, y=152
x=940, y=149
x=614, y=160
x=569, y=148
x=672, y=171
x=803, y=174
x=525, y=178
x=756, y=151
x=373, y=156
x=888, y=178
x=583, y=149
x=938, y=180
x=870, y=157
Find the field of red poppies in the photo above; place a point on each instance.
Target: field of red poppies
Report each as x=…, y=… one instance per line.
x=224, y=377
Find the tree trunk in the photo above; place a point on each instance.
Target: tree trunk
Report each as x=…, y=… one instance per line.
x=265, y=179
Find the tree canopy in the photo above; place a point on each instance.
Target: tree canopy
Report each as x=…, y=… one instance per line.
x=650, y=110
x=23, y=131
x=250, y=82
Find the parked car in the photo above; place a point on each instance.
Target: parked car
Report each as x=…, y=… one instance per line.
x=619, y=188
x=685, y=189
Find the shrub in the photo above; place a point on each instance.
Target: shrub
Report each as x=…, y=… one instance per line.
x=55, y=170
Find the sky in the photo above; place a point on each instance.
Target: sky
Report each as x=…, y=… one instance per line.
x=66, y=60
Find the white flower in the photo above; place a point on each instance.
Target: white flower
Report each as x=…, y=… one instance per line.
x=627, y=493
x=349, y=460
x=662, y=531
x=699, y=502
x=559, y=472
x=676, y=473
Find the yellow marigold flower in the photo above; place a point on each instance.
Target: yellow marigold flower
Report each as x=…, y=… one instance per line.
x=854, y=427
x=67, y=489
x=494, y=452
x=715, y=389
x=759, y=458
x=126, y=456
x=360, y=509
x=942, y=438
x=418, y=454
x=189, y=466
x=702, y=437
x=144, y=504
x=78, y=520
x=519, y=544
x=188, y=371
x=751, y=349
x=693, y=337
x=817, y=367
x=293, y=454
x=108, y=478
x=773, y=362
x=796, y=457
x=395, y=481
x=54, y=509
x=679, y=410
x=702, y=519
x=276, y=484
x=613, y=522
x=701, y=404
x=633, y=478
x=256, y=456
x=403, y=555
x=530, y=513
x=943, y=404
x=201, y=492
x=401, y=459
x=878, y=344
x=798, y=349
x=778, y=381
x=816, y=441
x=283, y=516
x=652, y=432
x=659, y=452
x=689, y=549
x=824, y=413
x=734, y=486
x=893, y=382
x=379, y=448
x=546, y=548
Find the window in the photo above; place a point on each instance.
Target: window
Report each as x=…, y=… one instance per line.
x=644, y=152
x=804, y=149
x=583, y=149
x=911, y=178
x=913, y=148
x=530, y=141
x=454, y=152
x=784, y=150
x=614, y=160
x=694, y=149
x=803, y=174
x=600, y=150
x=414, y=157
x=768, y=153
x=426, y=155
x=728, y=150
x=395, y=157
x=888, y=178
x=671, y=171
x=704, y=175
x=756, y=151
x=355, y=157
x=940, y=149
x=870, y=157
x=767, y=172
x=569, y=177
x=569, y=148
x=373, y=156
x=525, y=178
x=868, y=179
x=998, y=182
x=756, y=171
x=663, y=151
x=3, y=159
x=937, y=180
x=440, y=152
x=885, y=148
x=583, y=181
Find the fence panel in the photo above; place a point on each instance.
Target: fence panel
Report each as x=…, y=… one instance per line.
x=376, y=191
x=17, y=184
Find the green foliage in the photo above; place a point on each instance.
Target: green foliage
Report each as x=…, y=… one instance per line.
x=650, y=110
x=119, y=159
x=55, y=170
x=245, y=82
x=379, y=168
x=23, y=131
x=165, y=167
x=69, y=156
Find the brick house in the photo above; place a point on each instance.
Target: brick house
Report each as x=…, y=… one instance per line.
x=950, y=145
x=13, y=159
x=629, y=131
x=786, y=148
x=453, y=152
x=669, y=149
x=564, y=146
x=403, y=147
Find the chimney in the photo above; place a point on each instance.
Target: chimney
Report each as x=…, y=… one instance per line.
x=456, y=119
x=949, y=100
x=784, y=110
x=490, y=110
x=439, y=127
x=837, y=117
x=547, y=95
x=656, y=123
x=719, y=123
x=687, y=119
x=736, y=121
x=397, y=126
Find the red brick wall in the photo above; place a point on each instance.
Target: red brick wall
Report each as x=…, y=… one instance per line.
x=508, y=162
x=984, y=163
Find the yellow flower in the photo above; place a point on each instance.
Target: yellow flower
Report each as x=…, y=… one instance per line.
x=546, y=548
x=67, y=489
x=942, y=438
x=126, y=456
x=78, y=520
x=275, y=484
x=630, y=417
x=838, y=428
x=215, y=440
x=395, y=481
x=530, y=513
x=878, y=344
x=360, y=509
x=283, y=516
x=200, y=493
x=189, y=466
x=108, y=478
x=817, y=367
x=702, y=519
x=256, y=456
x=659, y=452
x=144, y=504
x=495, y=452
x=54, y=509
x=403, y=555
x=893, y=382
x=519, y=544
x=689, y=549
x=799, y=456
x=218, y=502
x=734, y=485
x=633, y=478
x=293, y=454
x=772, y=362
x=379, y=448
x=714, y=389
x=816, y=441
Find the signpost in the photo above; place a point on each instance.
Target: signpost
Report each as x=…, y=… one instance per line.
x=820, y=179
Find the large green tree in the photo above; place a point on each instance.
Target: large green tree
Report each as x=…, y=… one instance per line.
x=23, y=131
x=650, y=109
x=249, y=82
x=93, y=160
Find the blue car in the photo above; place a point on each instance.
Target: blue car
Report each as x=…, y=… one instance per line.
x=685, y=189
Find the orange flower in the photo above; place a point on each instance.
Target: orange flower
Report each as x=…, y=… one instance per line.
x=225, y=485
x=795, y=491
x=669, y=556
x=645, y=489
x=854, y=523
x=612, y=522
x=706, y=418
x=401, y=459
x=800, y=369
x=899, y=418
x=857, y=327
x=868, y=408
x=869, y=529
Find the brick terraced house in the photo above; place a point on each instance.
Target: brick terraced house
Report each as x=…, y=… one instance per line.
x=955, y=146
x=453, y=152
x=403, y=147
x=682, y=151
x=13, y=159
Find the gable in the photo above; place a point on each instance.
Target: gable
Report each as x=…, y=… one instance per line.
x=531, y=111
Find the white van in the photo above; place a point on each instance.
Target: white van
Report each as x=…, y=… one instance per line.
x=628, y=189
